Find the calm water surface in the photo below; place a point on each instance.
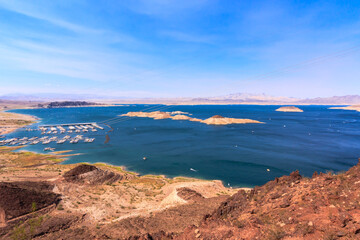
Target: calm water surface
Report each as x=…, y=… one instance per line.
x=318, y=139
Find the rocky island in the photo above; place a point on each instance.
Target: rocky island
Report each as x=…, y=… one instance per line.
x=214, y=120
x=289, y=109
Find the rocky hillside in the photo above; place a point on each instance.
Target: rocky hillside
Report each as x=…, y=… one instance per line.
x=326, y=206
x=89, y=174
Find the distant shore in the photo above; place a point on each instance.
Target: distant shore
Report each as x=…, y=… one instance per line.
x=352, y=108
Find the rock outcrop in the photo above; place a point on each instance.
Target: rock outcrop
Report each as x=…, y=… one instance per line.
x=188, y=194
x=89, y=174
x=18, y=199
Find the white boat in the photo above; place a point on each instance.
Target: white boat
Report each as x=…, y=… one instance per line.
x=61, y=141
x=49, y=149
x=74, y=141
x=89, y=140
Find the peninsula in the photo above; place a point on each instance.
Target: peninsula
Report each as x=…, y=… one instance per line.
x=9, y=122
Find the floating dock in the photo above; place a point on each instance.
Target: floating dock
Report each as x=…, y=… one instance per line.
x=72, y=126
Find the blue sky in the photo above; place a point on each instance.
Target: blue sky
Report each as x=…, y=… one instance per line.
x=187, y=48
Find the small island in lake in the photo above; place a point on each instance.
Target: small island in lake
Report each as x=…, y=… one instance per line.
x=214, y=120
x=289, y=109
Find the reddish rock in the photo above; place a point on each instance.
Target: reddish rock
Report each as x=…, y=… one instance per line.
x=89, y=174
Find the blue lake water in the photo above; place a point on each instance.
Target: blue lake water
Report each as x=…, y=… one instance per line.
x=318, y=139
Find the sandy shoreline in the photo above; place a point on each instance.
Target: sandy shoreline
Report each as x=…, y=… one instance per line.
x=9, y=122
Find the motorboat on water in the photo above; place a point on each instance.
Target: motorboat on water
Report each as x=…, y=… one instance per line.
x=49, y=149
x=89, y=140
x=75, y=140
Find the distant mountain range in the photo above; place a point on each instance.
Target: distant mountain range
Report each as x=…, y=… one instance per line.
x=344, y=100
x=235, y=98
x=266, y=99
x=248, y=97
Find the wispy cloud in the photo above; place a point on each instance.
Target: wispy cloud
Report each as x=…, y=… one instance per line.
x=32, y=10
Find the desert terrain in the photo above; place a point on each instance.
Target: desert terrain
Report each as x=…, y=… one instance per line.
x=101, y=198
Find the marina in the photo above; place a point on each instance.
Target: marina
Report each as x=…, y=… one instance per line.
x=55, y=129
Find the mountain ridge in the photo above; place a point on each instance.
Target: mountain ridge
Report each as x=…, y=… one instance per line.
x=234, y=98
